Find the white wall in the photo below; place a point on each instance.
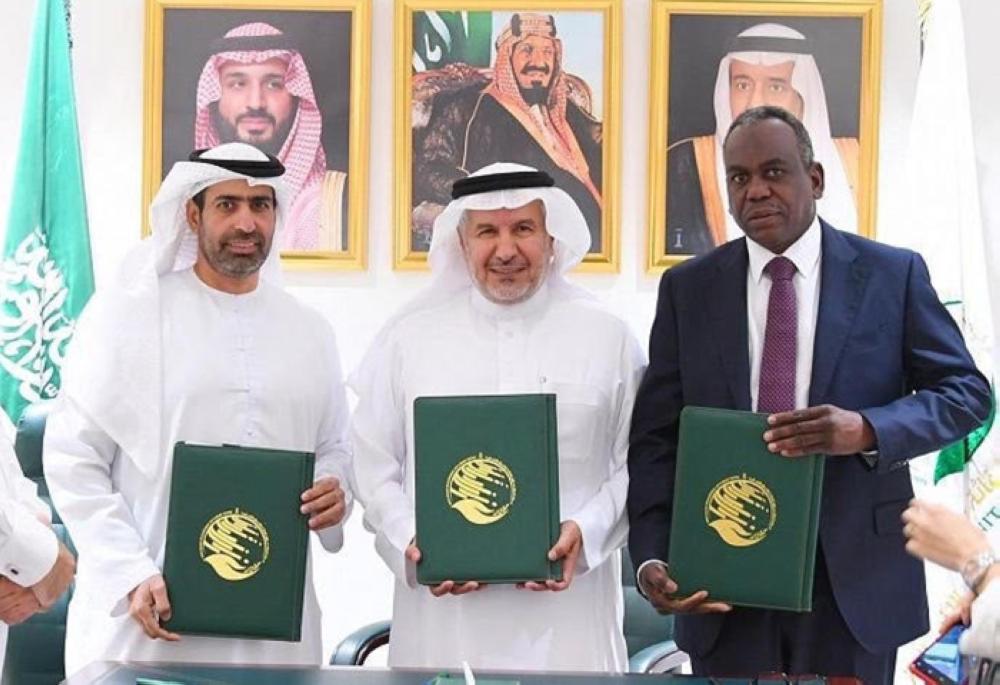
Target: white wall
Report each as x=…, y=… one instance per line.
x=108, y=53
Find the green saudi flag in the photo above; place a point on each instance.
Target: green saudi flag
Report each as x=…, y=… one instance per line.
x=46, y=276
x=441, y=38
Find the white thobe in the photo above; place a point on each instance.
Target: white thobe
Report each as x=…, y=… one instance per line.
x=258, y=370
x=469, y=345
x=28, y=547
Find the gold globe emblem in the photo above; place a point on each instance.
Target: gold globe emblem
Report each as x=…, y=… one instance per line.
x=741, y=510
x=481, y=488
x=235, y=544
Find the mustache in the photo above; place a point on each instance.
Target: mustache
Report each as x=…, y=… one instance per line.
x=512, y=264
x=254, y=237
x=257, y=113
x=534, y=68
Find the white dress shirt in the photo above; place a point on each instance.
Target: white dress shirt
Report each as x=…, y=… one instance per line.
x=805, y=254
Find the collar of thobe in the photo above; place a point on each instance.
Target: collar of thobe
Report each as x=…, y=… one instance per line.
x=222, y=298
x=508, y=312
x=804, y=253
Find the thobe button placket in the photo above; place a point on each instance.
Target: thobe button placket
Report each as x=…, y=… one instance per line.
x=508, y=358
x=242, y=352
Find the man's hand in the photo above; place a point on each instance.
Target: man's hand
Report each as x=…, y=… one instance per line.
x=325, y=503
x=17, y=604
x=148, y=605
x=659, y=588
x=936, y=533
x=825, y=429
x=448, y=587
x=55, y=582
x=568, y=548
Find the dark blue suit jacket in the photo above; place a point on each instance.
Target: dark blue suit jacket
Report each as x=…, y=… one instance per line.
x=885, y=346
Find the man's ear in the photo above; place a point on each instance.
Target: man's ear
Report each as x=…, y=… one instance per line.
x=193, y=215
x=817, y=177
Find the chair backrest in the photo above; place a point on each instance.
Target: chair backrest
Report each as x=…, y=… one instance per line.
x=643, y=625
x=35, y=648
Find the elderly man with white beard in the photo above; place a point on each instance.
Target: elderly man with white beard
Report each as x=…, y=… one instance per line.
x=499, y=317
x=194, y=341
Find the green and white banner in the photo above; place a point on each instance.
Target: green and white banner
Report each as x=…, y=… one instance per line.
x=46, y=275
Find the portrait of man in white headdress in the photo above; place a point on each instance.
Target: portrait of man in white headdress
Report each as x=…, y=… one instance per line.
x=764, y=62
x=265, y=78
x=524, y=87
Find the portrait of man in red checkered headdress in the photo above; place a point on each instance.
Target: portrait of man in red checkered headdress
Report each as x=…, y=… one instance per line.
x=255, y=88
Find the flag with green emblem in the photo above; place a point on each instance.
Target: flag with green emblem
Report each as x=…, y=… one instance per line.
x=46, y=275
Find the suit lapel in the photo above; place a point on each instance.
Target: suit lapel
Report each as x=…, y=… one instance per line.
x=843, y=278
x=727, y=293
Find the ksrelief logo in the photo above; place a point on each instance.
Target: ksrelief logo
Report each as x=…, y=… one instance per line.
x=741, y=510
x=481, y=488
x=235, y=544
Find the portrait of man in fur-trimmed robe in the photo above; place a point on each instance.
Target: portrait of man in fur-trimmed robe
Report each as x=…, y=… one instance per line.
x=524, y=106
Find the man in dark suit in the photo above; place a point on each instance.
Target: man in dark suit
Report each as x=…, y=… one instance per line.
x=844, y=343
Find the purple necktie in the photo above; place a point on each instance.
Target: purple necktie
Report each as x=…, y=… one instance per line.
x=776, y=391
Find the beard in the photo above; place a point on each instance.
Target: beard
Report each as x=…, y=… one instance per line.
x=535, y=95
x=536, y=92
x=272, y=146
x=230, y=264
x=509, y=292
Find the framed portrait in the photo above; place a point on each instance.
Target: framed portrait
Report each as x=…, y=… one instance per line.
x=288, y=76
x=714, y=59
x=534, y=82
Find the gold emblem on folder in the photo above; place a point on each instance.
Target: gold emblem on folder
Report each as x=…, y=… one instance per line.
x=742, y=510
x=235, y=544
x=481, y=488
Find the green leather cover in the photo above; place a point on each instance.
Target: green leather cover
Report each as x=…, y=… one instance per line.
x=236, y=546
x=487, y=488
x=745, y=520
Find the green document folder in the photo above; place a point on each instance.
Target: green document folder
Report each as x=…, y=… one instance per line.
x=487, y=488
x=745, y=520
x=236, y=546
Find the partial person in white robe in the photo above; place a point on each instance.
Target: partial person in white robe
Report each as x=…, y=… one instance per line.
x=498, y=318
x=194, y=341
x=35, y=568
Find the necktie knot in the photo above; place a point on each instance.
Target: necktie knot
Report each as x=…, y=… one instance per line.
x=780, y=269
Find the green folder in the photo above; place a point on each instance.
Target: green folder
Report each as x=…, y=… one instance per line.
x=745, y=520
x=235, y=559
x=487, y=488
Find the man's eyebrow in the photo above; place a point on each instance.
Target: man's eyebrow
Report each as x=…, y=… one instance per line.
x=243, y=74
x=242, y=198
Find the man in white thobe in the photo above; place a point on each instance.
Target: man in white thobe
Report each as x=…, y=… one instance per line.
x=35, y=568
x=498, y=318
x=195, y=342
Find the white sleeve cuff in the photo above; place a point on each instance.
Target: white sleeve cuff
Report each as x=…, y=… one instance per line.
x=332, y=538
x=30, y=550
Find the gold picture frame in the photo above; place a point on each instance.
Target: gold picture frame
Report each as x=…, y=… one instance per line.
x=602, y=133
x=842, y=43
x=333, y=120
